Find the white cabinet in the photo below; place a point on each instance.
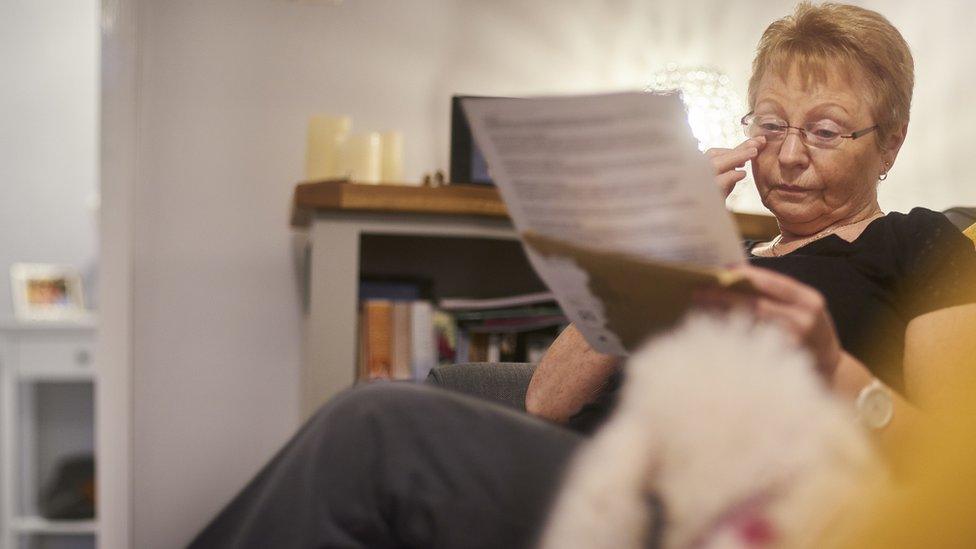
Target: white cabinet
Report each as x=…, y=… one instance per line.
x=47, y=396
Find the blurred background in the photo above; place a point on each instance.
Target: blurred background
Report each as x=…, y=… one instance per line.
x=155, y=145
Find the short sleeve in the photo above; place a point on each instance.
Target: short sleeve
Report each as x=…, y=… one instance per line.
x=938, y=264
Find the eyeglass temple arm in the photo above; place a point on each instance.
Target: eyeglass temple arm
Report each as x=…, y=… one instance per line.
x=859, y=133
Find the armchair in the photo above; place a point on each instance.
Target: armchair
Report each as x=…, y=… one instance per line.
x=504, y=383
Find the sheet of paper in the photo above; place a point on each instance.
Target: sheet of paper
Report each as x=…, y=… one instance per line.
x=621, y=172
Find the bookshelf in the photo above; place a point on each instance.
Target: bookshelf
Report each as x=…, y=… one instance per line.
x=457, y=236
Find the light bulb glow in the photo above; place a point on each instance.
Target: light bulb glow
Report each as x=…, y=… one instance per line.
x=714, y=109
x=713, y=106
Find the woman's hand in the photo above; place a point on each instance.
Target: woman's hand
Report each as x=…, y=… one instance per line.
x=726, y=161
x=798, y=308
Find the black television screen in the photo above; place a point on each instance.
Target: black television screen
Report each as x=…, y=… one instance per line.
x=467, y=163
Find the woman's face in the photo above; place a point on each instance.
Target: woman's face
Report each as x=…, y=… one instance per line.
x=809, y=189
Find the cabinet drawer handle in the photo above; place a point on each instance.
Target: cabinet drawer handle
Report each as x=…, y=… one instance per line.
x=82, y=357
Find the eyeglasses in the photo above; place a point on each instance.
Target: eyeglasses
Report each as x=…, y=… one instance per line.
x=822, y=135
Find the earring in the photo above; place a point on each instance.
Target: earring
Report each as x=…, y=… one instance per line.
x=884, y=171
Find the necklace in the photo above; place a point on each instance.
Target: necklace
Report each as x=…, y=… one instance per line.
x=818, y=236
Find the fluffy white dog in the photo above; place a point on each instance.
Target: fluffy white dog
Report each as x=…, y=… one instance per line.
x=727, y=423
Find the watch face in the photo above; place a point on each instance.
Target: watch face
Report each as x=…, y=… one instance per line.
x=875, y=405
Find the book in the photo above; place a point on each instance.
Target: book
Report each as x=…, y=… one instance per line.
x=377, y=334
x=615, y=204
x=494, y=352
x=514, y=325
x=520, y=312
x=398, y=339
x=477, y=348
x=400, y=344
x=423, y=344
x=456, y=304
x=447, y=338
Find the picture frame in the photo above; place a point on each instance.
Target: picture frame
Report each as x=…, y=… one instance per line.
x=46, y=292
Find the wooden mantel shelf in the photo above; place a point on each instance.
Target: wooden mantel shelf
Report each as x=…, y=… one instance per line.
x=474, y=200
x=477, y=200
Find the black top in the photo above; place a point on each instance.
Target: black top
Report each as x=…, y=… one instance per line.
x=900, y=267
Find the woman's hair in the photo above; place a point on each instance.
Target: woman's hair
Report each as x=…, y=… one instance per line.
x=859, y=40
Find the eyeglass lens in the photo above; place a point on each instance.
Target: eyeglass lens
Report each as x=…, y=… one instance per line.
x=775, y=129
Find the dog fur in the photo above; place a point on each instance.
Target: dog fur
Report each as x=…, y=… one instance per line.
x=726, y=422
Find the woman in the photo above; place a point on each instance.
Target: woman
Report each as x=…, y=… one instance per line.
x=829, y=115
x=397, y=465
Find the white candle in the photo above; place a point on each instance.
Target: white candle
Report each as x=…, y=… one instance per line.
x=326, y=137
x=362, y=157
x=392, y=152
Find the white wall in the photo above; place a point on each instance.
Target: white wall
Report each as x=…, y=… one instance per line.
x=48, y=132
x=223, y=97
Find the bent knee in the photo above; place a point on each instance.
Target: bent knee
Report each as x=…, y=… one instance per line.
x=372, y=402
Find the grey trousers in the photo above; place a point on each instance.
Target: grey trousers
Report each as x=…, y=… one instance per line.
x=401, y=465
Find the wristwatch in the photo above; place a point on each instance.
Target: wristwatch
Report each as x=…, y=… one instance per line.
x=875, y=405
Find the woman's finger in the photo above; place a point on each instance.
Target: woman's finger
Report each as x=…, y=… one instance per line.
x=811, y=329
x=726, y=181
x=724, y=160
x=736, y=158
x=754, y=142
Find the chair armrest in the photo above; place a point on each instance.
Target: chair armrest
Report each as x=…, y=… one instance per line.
x=961, y=217
x=503, y=382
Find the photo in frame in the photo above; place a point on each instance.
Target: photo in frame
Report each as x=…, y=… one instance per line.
x=47, y=292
